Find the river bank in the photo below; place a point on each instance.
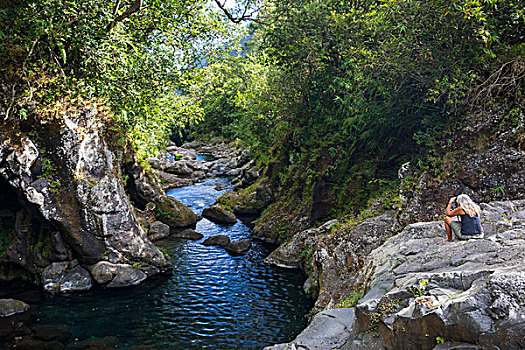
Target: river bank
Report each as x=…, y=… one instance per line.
x=212, y=298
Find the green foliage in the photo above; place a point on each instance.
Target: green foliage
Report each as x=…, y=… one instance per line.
x=164, y=252
x=130, y=56
x=161, y=214
x=419, y=290
x=351, y=300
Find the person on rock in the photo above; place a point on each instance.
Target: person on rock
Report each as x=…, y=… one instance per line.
x=470, y=214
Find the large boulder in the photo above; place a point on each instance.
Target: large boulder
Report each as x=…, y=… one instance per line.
x=11, y=307
x=76, y=186
x=187, y=233
x=330, y=329
x=218, y=240
x=238, y=247
x=117, y=275
x=67, y=276
x=13, y=316
x=173, y=213
x=332, y=254
x=219, y=215
x=158, y=230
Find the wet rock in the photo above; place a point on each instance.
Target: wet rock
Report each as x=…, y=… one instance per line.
x=329, y=329
x=93, y=214
x=220, y=187
x=219, y=240
x=60, y=333
x=219, y=215
x=239, y=247
x=13, y=316
x=10, y=307
x=106, y=343
x=173, y=213
x=67, y=276
x=30, y=343
x=117, y=275
x=158, y=231
x=186, y=234
x=77, y=279
x=172, y=181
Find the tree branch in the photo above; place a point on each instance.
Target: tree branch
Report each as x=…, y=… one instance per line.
x=135, y=7
x=232, y=18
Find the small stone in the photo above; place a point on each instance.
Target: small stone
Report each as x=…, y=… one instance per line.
x=219, y=240
x=186, y=234
x=239, y=247
x=219, y=215
x=158, y=231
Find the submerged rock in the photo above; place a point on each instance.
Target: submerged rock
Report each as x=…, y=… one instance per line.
x=219, y=215
x=239, y=247
x=219, y=240
x=45, y=332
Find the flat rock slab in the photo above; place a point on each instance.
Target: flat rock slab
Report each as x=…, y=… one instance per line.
x=219, y=215
x=238, y=247
x=186, y=234
x=219, y=240
x=329, y=329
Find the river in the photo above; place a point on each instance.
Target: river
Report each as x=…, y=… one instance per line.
x=213, y=300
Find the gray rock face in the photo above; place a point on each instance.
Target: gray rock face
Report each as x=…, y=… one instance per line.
x=10, y=307
x=219, y=240
x=219, y=215
x=64, y=277
x=329, y=329
x=158, y=231
x=186, y=234
x=83, y=196
x=117, y=275
x=462, y=291
x=333, y=257
x=238, y=247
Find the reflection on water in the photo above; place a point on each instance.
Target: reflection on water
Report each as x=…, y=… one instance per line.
x=211, y=301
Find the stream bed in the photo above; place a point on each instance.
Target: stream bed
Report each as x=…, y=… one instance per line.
x=213, y=300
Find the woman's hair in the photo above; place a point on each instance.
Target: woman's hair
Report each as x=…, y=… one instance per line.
x=468, y=205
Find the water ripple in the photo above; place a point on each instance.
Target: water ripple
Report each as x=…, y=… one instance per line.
x=211, y=301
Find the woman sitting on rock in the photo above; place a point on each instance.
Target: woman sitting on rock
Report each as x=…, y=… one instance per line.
x=470, y=225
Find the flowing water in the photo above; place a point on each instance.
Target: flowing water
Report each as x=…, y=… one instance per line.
x=213, y=300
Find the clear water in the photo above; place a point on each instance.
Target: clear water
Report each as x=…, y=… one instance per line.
x=211, y=301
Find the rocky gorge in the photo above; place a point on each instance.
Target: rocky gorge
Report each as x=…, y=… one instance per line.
x=78, y=213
